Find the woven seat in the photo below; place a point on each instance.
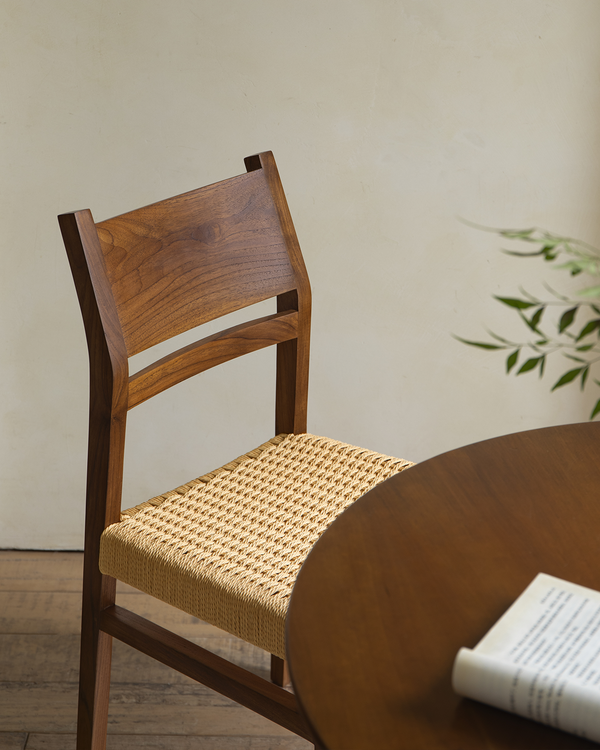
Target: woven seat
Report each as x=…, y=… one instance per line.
x=227, y=547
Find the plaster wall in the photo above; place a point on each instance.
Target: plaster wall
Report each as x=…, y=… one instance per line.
x=389, y=119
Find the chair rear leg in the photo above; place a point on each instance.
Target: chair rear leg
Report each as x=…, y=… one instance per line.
x=280, y=674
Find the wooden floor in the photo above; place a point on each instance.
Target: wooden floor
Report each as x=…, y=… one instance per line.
x=152, y=707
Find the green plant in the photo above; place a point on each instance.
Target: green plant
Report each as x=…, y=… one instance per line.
x=577, y=327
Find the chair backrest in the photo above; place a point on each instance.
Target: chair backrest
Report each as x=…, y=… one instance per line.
x=151, y=274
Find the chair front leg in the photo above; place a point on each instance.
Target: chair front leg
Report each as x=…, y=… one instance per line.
x=94, y=670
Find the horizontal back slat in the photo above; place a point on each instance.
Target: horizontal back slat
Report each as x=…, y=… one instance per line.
x=210, y=351
x=189, y=259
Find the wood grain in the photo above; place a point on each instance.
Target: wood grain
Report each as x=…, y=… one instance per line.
x=141, y=278
x=164, y=742
x=426, y=563
x=40, y=571
x=23, y=654
x=226, y=678
x=151, y=705
x=13, y=740
x=133, y=709
x=60, y=612
x=209, y=352
x=173, y=265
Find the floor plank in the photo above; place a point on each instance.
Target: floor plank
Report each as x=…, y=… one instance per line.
x=165, y=742
x=44, y=571
x=40, y=571
x=152, y=707
x=134, y=709
x=24, y=656
x=59, y=612
x=13, y=741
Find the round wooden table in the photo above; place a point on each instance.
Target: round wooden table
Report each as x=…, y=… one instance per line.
x=426, y=563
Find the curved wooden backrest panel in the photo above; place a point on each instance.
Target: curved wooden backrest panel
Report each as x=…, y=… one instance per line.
x=189, y=259
x=151, y=274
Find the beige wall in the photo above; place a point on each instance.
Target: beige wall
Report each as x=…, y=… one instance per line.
x=388, y=120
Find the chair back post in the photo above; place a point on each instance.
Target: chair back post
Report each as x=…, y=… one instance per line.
x=291, y=390
x=106, y=445
x=291, y=399
x=109, y=370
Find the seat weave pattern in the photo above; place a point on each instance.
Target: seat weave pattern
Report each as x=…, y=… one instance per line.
x=227, y=547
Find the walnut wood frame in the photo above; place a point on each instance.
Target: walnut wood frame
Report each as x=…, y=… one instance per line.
x=116, y=267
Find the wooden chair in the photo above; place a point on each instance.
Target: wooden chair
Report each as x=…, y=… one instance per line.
x=226, y=547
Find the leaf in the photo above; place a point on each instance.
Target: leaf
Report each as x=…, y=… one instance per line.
x=512, y=360
x=499, y=338
x=530, y=297
x=567, y=378
x=523, y=255
x=590, y=291
x=517, y=234
x=530, y=364
x=520, y=304
x=567, y=318
x=585, y=348
x=535, y=319
x=579, y=265
x=537, y=316
x=588, y=328
x=596, y=409
x=596, y=309
x=584, y=376
x=575, y=359
x=542, y=365
x=554, y=293
x=480, y=344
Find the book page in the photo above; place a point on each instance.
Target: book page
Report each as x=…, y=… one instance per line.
x=541, y=659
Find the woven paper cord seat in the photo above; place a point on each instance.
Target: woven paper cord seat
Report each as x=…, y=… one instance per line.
x=227, y=547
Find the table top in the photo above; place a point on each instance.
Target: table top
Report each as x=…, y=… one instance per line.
x=426, y=563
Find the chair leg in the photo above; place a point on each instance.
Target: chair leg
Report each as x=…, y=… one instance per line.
x=280, y=674
x=94, y=689
x=94, y=670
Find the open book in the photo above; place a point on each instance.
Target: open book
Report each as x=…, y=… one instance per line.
x=541, y=659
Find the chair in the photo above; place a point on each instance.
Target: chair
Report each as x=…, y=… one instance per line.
x=226, y=547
